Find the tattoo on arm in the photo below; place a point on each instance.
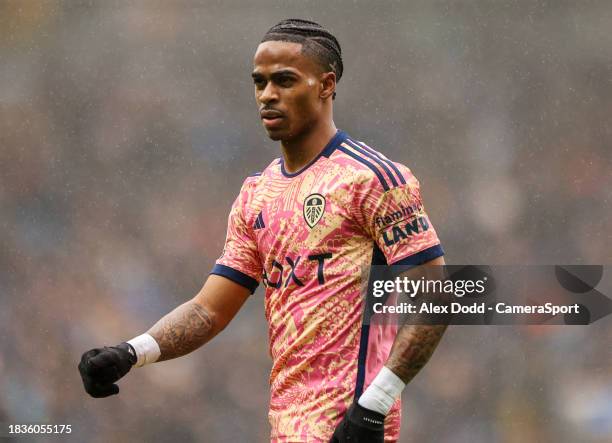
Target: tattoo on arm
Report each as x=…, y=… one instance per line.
x=417, y=340
x=412, y=348
x=183, y=330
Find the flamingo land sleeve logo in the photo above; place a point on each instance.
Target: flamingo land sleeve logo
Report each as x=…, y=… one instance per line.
x=314, y=207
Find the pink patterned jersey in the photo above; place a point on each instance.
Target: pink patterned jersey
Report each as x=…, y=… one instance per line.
x=307, y=237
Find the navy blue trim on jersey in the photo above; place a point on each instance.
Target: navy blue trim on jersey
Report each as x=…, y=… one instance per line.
x=361, y=360
x=378, y=258
x=422, y=257
x=236, y=276
x=326, y=152
x=386, y=160
x=254, y=174
x=382, y=180
x=358, y=148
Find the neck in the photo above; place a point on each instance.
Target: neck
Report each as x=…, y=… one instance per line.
x=299, y=151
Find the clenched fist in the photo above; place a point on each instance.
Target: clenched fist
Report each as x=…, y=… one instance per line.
x=100, y=368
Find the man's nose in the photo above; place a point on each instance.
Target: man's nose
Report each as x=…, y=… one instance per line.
x=269, y=94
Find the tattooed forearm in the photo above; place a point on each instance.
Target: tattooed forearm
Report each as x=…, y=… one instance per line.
x=418, y=338
x=183, y=330
x=412, y=348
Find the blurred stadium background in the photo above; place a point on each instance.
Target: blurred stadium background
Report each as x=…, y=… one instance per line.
x=126, y=129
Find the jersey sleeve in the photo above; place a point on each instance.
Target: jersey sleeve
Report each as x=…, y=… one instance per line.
x=239, y=260
x=396, y=220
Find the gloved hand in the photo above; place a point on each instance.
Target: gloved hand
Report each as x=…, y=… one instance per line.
x=100, y=368
x=360, y=425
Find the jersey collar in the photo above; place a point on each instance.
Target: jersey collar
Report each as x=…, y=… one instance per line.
x=326, y=152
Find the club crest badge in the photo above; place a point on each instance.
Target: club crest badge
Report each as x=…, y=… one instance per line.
x=314, y=207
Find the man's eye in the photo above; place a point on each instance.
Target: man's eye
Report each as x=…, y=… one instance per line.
x=259, y=83
x=285, y=81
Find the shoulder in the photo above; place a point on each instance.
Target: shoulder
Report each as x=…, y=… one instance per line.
x=254, y=182
x=370, y=167
x=257, y=177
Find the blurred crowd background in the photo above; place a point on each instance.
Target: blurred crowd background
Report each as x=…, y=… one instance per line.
x=127, y=128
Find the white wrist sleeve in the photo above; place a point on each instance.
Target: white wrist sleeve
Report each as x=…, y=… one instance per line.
x=382, y=392
x=147, y=349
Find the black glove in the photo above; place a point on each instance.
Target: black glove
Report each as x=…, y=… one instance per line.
x=100, y=368
x=360, y=425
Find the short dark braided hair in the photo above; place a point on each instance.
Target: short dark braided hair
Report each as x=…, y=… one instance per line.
x=315, y=40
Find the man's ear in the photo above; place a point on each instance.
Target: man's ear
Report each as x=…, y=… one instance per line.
x=328, y=85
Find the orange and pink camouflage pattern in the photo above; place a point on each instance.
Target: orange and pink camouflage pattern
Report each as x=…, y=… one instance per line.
x=309, y=236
